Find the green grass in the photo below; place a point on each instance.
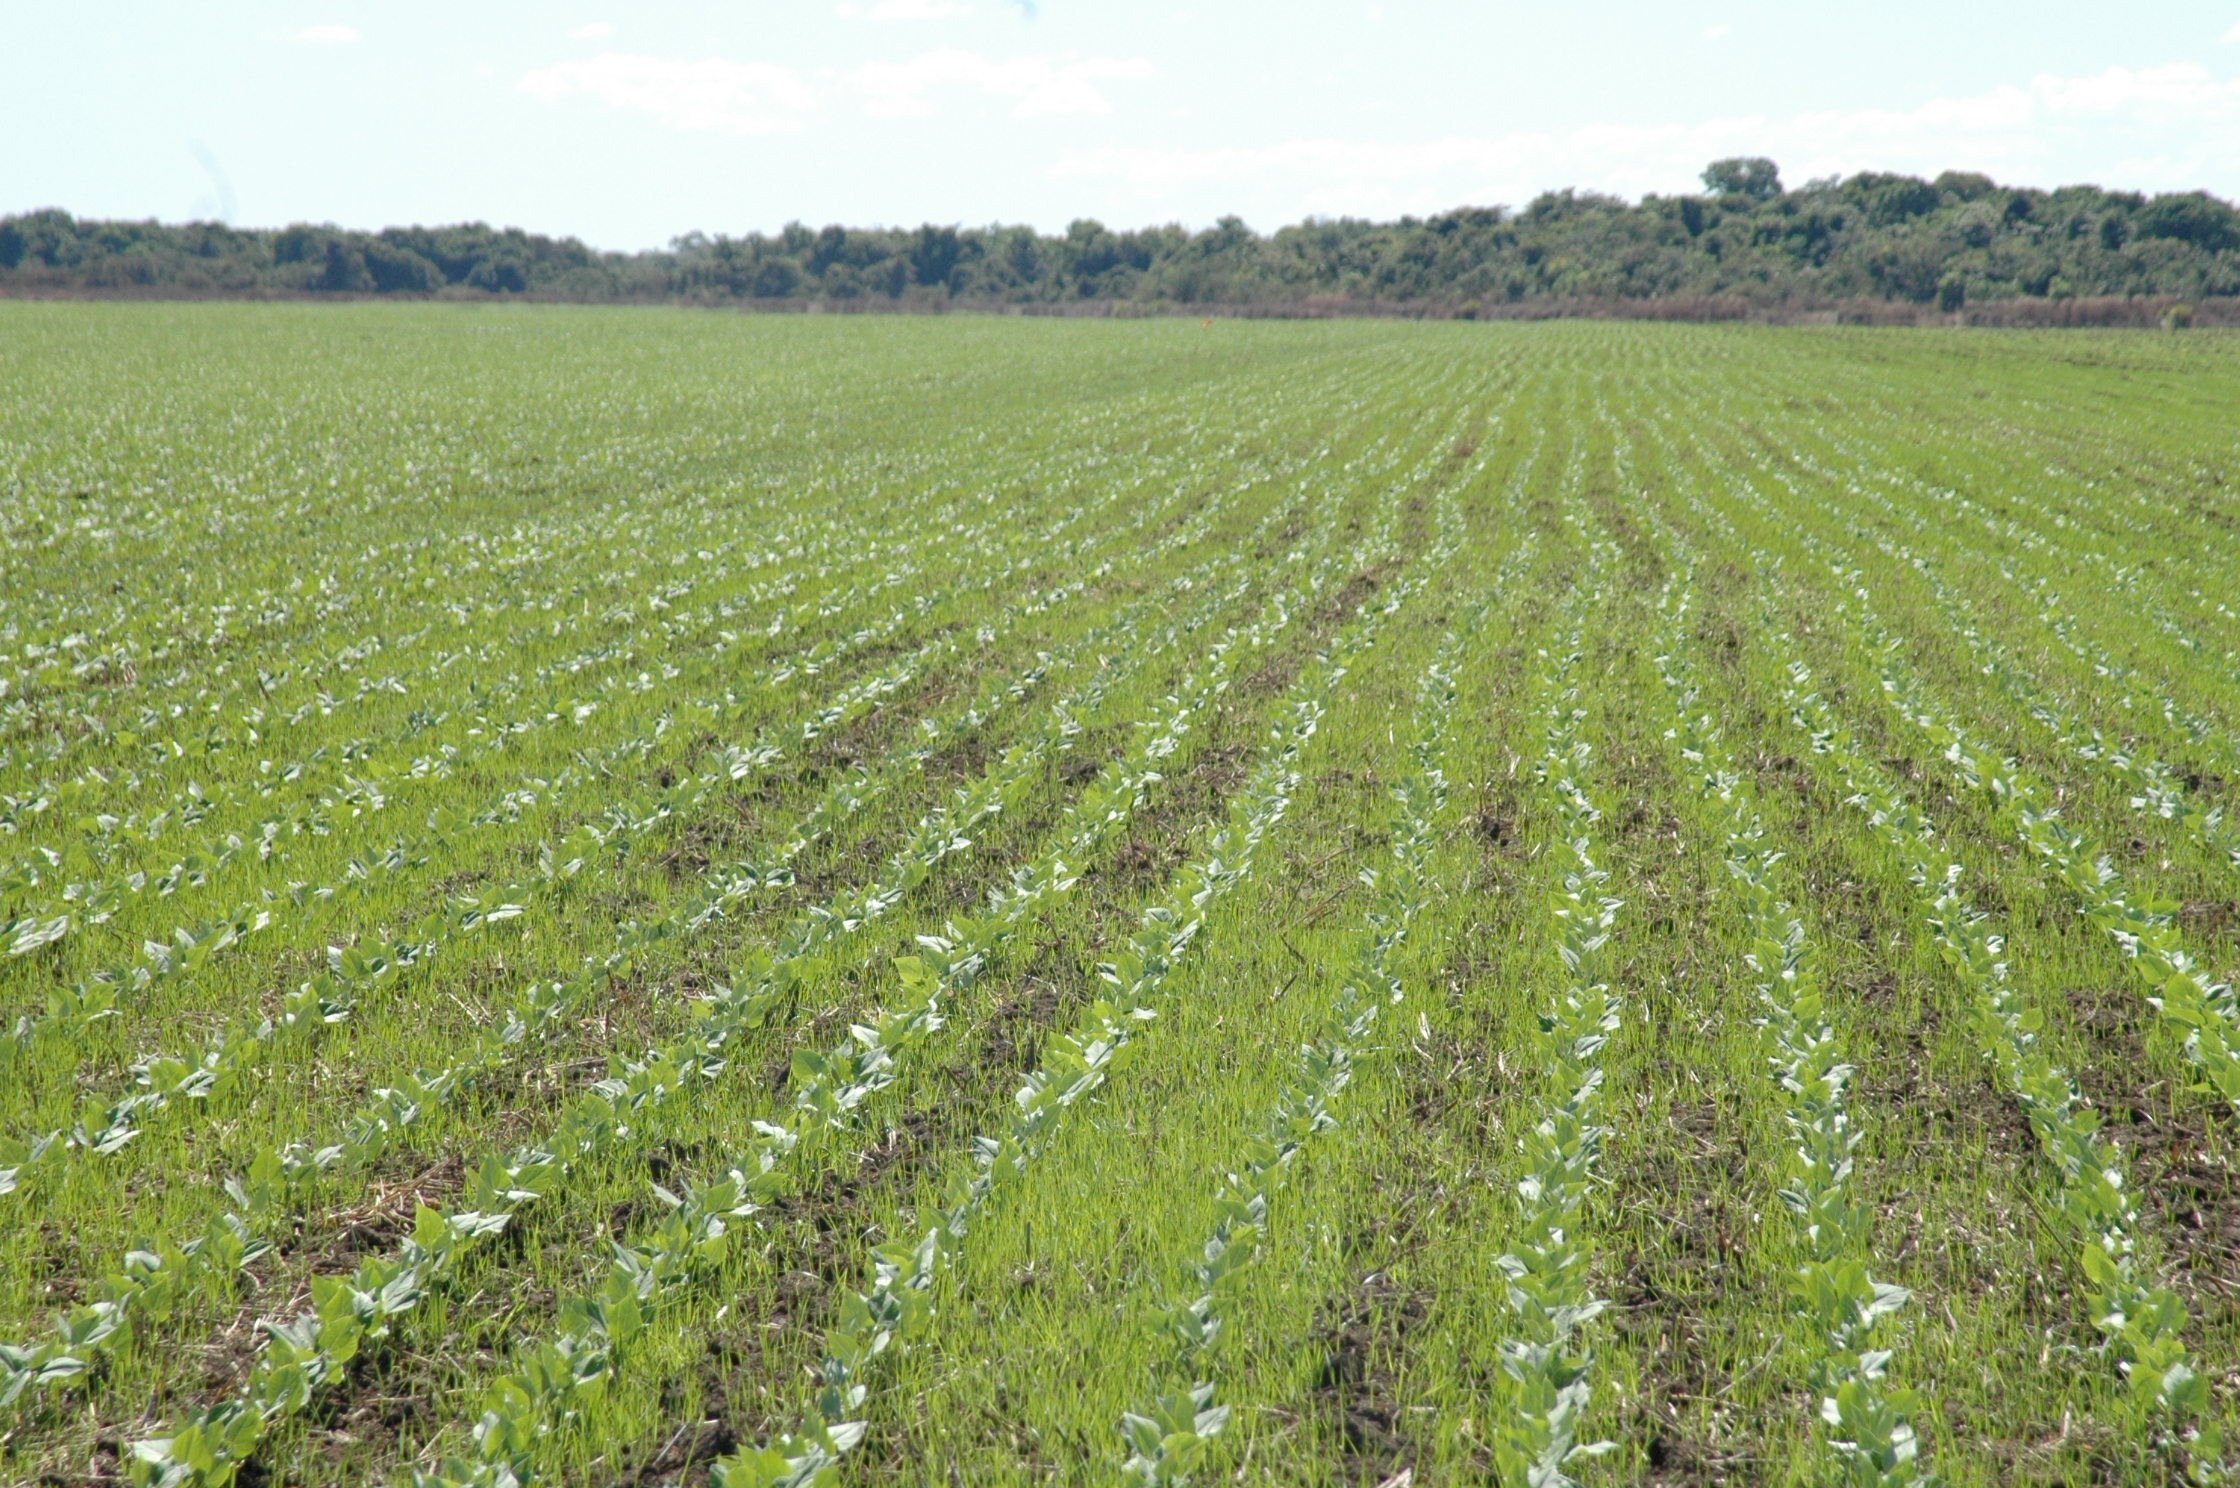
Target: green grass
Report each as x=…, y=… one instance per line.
x=684, y=632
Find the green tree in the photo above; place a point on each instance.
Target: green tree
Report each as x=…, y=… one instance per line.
x=933, y=257
x=776, y=279
x=504, y=275
x=2192, y=217
x=344, y=270
x=1751, y=176
x=396, y=270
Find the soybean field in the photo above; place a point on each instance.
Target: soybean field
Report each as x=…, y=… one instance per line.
x=646, y=897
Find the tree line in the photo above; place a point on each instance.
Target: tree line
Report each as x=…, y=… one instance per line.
x=1957, y=240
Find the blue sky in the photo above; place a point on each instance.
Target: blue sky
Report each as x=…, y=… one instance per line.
x=629, y=124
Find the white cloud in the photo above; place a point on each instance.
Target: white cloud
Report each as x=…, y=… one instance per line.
x=709, y=94
x=2175, y=126
x=330, y=35
x=2233, y=34
x=1713, y=33
x=714, y=94
x=596, y=31
x=1042, y=86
